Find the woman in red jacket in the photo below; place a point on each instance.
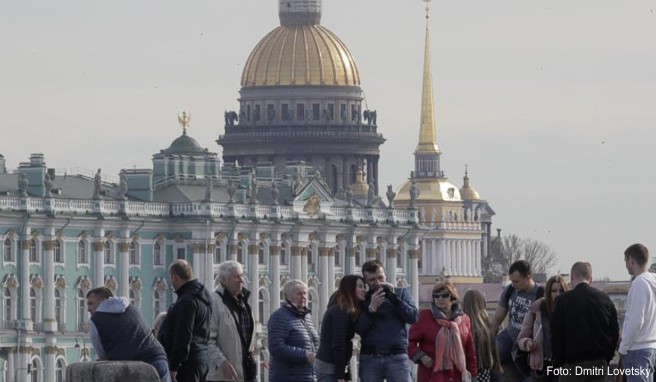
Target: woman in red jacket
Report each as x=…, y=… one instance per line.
x=441, y=342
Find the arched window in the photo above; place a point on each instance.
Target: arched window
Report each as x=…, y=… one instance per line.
x=283, y=253
x=8, y=251
x=60, y=370
x=57, y=251
x=158, y=305
x=158, y=259
x=261, y=258
x=217, y=252
x=108, y=253
x=34, y=251
x=7, y=305
x=33, y=305
x=82, y=254
x=240, y=252
x=132, y=250
x=338, y=256
x=81, y=310
x=35, y=371
x=59, y=304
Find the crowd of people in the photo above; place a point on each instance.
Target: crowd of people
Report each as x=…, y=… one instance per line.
x=560, y=331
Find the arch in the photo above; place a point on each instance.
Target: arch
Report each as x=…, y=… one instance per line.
x=60, y=369
x=158, y=254
x=35, y=369
x=34, y=251
x=264, y=303
x=82, y=252
x=57, y=252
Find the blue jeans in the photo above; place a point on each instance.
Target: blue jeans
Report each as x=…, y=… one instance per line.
x=392, y=368
x=643, y=361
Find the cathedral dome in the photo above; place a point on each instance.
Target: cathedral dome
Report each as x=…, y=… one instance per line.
x=467, y=192
x=306, y=54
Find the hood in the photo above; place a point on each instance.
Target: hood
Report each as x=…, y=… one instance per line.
x=196, y=289
x=115, y=305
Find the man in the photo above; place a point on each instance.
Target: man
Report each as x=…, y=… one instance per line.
x=231, y=328
x=638, y=345
x=584, y=329
x=383, y=328
x=119, y=333
x=186, y=329
x=515, y=301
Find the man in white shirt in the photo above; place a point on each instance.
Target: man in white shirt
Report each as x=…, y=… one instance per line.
x=638, y=345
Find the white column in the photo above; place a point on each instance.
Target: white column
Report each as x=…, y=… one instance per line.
x=331, y=270
x=461, y=257
x=11, y=361
x=390, y=269
x=254, y=278
x=447, y=255
x=98, y=264
x=324, y=294
x=274, y=265
x=349, y=267
x=51, y=352
x=209, y=269
x=50, y=322
x=441, y=255
x=477, y=258
x=124, y=275
x=413, y=275
x=305, y=252
x=296, y=263
x=25, y=280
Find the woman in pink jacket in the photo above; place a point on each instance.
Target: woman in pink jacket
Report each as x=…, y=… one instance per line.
x=441, y=342
x=535, y=335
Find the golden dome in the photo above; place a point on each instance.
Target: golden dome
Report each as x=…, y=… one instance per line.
x=467, y=192
x=430, y=190
x=300, y=55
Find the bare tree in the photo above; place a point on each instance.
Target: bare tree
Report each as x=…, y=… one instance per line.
x=510, y=248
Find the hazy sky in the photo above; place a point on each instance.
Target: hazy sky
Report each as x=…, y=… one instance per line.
x=550, y=103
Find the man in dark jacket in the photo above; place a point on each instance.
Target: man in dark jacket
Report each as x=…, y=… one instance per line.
x=186, y=329
x=383, y=327
x=119, y=333
x=584, y=329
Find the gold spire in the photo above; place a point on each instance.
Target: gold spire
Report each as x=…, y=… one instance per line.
x=427, y=140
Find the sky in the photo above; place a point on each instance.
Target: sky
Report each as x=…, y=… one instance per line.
x=550, y=104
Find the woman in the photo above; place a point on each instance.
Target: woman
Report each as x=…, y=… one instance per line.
x=338, y=329
x=487, y=359
x=441, y=341
x=535, y=335
x=293, y=340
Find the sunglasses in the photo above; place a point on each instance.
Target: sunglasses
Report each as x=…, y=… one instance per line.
x=442, y=295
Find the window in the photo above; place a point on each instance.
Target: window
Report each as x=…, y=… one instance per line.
x=158, y=302
x=60, y=370
x=286, y=114
x=316, y=111
x=181, y=253
x=217, y=252
x=59, y=303
x=132, y=249
x=283, y=253
x=34, y=251
x=240, y=252
x=300, y=112
x=108, y=253
x=359, y=256
x=7, y=301
x=261, y=258
x=82, y=254
x=399, y=259
x=260, y=302
x=33, y=304
x=158, y=259
x=57, y=251
x=338, y=257
x=331, y=111
x=81, y=310
x=35, y=371
x=8, y=251
x=256, y=113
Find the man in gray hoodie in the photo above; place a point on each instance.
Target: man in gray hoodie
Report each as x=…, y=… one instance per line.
x=119, y=332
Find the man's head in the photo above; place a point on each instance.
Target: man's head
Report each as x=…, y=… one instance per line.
x=581, y=273
x=374, y=274
x=181, y=273
x=231, y=275
x=521, y=276
x=96, y=296
x=636, y=258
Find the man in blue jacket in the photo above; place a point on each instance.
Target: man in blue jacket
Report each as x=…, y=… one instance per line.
x=383, y=328
x=186, y=330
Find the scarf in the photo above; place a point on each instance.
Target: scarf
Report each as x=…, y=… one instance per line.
x=448, y=344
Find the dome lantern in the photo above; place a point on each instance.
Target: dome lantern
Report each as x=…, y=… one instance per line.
x=299, y=12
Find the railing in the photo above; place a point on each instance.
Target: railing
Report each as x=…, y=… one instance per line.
x=211, y=209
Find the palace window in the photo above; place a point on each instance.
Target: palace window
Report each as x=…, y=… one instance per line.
x=132, y=249
x=82, y=253
x=108, y=253
x=8, y=249
x=57, y=252
x=158, y=259
x=34, y=251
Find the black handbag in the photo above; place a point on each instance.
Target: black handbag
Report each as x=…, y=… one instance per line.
x=521, y=360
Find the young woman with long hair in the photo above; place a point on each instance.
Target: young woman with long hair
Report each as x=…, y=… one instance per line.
x=487, y=359
x=338, y=329
x=535, y=335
